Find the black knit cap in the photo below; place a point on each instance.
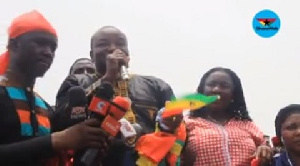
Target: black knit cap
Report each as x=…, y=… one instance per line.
x=283, y=114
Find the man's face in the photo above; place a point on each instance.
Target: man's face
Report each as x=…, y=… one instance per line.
x=105, y=42
x=83, y=67
x=34, y=52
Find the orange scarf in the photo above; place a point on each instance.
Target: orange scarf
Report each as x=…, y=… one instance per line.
x=161, y=148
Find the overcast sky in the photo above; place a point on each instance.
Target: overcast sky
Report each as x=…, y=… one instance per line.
x=180, y=40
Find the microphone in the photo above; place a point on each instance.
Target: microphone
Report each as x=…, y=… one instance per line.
x=124, y=73
x=118, y=108
x=100, y=103
x=98, y=109
x=128, y=133
x=77, y=102
x=109, y=112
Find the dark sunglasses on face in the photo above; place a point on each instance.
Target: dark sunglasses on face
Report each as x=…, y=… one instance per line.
x=84, y=71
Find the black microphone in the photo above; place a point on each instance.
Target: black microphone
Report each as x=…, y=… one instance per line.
x=77, y=101
x=98, y=109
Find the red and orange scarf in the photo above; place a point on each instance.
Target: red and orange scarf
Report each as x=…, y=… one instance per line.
x=161, y=148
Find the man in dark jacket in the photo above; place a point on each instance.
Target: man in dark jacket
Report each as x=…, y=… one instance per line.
x=109, y=51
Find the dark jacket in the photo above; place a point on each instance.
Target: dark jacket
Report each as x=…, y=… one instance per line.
x=18, y=145
x=279, y=159
x=282, y=159
x=148, y=95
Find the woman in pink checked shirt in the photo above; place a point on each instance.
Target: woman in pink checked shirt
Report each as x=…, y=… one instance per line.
x=223, y=133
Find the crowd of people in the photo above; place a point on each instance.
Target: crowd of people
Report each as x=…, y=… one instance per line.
x=33, y=133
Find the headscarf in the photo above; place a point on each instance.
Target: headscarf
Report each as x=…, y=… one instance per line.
x=27, y=22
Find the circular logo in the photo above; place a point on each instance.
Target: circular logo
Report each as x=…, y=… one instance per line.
x=100, y=105
x=266, y=23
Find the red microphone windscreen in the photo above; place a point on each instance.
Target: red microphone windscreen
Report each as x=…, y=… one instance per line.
x=119, y=107
x=111, y=125
x=99, y=106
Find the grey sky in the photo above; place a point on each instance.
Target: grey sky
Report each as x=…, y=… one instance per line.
x=178, y=41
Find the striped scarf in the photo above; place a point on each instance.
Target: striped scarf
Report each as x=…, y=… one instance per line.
x=161, y=148
x=20, y=101
x=23, y=109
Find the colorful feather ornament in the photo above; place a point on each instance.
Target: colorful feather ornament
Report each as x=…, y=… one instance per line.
x=163, y=148
x=191, y=102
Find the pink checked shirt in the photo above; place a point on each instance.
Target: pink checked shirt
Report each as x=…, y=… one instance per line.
x=210, y=144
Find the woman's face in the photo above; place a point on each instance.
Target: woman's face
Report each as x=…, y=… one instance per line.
x=219, y=83
x=290, y=131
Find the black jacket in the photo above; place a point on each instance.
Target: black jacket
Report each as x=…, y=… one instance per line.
x=148, y=95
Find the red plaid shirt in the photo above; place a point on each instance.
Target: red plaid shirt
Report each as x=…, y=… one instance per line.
x=210, y=144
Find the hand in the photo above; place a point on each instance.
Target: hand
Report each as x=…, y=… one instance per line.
x=173, y=122
x=264, y=154
x=169, y=123
x=87, y=134
x=114, y=62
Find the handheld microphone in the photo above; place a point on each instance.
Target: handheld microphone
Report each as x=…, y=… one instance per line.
x=108, y=112
x=98, y=108
x=119, y=107
x=100, y=103
x=124, y=73
x=126, y=129
x=129, y=132
x=77, y=102
x=117, y=110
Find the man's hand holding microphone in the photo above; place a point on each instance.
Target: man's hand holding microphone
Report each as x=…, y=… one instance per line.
x=96, y=133
x=101, y=108
x=116, y=66
x=86, y=134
